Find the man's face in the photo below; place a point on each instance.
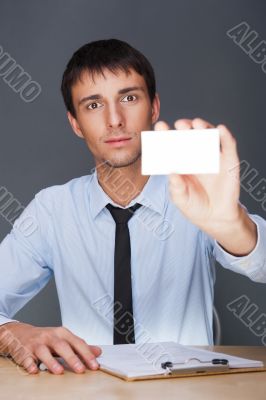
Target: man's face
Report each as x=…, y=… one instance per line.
x=111, y=111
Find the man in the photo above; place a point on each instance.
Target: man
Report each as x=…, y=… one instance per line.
x=172, y=239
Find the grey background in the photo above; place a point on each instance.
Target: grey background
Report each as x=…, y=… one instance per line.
x=200, y=72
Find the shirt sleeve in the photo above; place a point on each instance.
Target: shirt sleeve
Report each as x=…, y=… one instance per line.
x=25, y=259
x=252, y=265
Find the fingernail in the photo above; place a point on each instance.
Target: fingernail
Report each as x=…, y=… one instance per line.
x=57, y=368
x=33, y=369
x=79, y=366
x=93, y=364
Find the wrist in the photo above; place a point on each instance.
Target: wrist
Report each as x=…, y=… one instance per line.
x=225, y=223
x=237, y=236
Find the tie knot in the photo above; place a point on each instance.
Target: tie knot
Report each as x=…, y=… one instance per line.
x=122, y=215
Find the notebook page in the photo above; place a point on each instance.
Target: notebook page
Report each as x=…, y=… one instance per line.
x=134, y=360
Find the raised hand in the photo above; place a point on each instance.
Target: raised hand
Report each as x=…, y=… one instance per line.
x=211, y=201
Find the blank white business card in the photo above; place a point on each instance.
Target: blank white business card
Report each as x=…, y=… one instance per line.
x=192, y=151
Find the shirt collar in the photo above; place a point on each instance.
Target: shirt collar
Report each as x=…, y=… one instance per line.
x=153, y=195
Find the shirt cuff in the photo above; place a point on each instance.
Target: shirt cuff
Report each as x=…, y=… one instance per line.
x=5, y=320
x=253, y=264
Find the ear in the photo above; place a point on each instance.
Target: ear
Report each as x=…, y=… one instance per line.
x=155, y=108
x=75, y=125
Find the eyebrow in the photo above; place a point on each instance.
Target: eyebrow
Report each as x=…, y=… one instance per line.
x=121, y=91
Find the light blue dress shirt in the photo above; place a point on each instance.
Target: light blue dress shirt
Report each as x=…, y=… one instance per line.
x=67, y=231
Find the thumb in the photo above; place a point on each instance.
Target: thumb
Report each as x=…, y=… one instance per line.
x=178, y=189
x=97, y=351
x=228, y=142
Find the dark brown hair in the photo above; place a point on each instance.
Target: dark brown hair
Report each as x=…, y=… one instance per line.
x=111, y=54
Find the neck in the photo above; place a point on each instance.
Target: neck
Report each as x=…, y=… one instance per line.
x=121, y=184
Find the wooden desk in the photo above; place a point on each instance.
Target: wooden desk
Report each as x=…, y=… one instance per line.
x=16, y=385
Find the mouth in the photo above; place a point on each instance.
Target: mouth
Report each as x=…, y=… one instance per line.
x=118, y=141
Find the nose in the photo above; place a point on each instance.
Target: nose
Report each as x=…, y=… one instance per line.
x=115, y=117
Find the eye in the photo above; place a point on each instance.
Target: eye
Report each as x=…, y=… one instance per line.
x=129, y=97
x=93, y=106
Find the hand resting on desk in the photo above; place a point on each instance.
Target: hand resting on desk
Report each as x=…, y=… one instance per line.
x=27, y=345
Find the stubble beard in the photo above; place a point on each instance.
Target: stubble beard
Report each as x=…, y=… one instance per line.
x=123, y=161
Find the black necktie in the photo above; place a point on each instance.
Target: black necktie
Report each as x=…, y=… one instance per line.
x=123, y=307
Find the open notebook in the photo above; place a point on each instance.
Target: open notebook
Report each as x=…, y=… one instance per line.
x=144, y=361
